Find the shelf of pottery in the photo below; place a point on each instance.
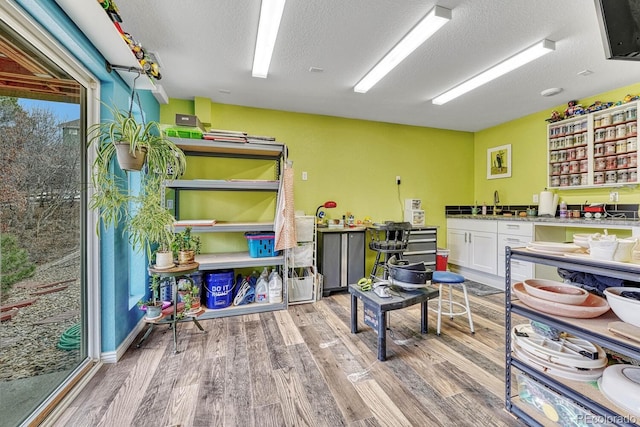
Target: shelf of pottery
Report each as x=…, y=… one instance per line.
x=594, y=150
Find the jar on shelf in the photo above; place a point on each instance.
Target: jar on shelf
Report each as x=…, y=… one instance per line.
x=612, y=163
x=564, y=168
x=632, y=144
x=555, y=169
x=584, y=165
x=569, y=141
x=633, y=175
x=598, y=178
x=621, y=146
x=623, y=176
x=553, y=144
x=621, y=131
x=563, y=129
x=631, y=113
x=597, y=121
x=600, y=135
x=610, y=177
x=632, y=128
x=560, y=142
x=581, y=139
x=609, y=148
x=617, y=117
x=600, y=164
x=598, y=150
x=553, y=157
x=574, y=166
x=606, y=119
x=632, y=160
x=571, y=128
x=584, y=126
x=584, y=179
x=581, y=153
x=562, y=155
x=554, y=131
x=564, y=180
x=572, y=153
x=611, y=133
x=574, y=179
x=622, y=161
x=555, y=181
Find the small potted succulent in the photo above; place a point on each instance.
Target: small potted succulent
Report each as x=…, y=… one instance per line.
x=152, y=306
x=185, y=246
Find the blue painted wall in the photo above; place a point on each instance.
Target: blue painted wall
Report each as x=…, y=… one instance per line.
x=117, y=319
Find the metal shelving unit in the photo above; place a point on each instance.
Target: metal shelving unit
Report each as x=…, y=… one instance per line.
x=232, y=260
x=594, y=330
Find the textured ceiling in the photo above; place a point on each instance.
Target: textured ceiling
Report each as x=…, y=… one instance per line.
x=206, y=50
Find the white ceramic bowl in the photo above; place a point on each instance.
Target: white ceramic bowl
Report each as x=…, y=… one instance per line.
x=621, y=385
x=624, y=250
x=627, y=309
x=551, y=290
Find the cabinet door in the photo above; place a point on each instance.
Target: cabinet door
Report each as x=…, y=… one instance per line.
x=329, y=262
x=458, y=243
x=355, y=257
x=483, y=252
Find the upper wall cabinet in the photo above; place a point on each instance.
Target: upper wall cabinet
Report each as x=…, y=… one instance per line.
x=594, y=150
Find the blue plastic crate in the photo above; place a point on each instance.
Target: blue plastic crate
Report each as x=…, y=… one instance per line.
x=261, y=245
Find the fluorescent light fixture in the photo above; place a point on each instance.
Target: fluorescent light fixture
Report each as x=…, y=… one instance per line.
x=432, y=22
x=270, y=16
x=519, y=59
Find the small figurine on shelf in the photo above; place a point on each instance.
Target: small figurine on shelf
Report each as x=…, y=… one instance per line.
x=599, y=105
x=630, y=98
x=555, y=117
x=573, y=109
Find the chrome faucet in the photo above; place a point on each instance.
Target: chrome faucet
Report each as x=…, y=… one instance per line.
x=496, y=201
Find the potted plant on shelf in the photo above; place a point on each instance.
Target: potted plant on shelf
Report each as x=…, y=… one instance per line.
x=152, y=306
x=190, y=296
x=141, y=214
x=185, y=246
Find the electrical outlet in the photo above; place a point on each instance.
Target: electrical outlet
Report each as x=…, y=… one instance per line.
x=613, y=196
x=304, y=176
x=535, y=198
x=398, y=179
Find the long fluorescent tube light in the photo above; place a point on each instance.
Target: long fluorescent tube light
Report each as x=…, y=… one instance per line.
x=270, y=16
x=519, y=59
x=432, y=22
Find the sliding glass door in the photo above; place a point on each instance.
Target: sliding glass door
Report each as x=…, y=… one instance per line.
x=45, y=339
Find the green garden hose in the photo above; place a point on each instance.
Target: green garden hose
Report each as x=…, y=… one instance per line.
x=70, y=339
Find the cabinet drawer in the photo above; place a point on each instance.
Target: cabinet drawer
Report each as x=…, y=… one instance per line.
x=512, y=240
x=422, y=234
x=519, y=228
x=473, y=224
x=421, y=246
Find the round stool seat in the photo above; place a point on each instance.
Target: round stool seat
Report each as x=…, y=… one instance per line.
x=447, y=277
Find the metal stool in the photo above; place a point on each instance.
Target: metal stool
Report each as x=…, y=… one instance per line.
x=450, y=279
x=388, y=239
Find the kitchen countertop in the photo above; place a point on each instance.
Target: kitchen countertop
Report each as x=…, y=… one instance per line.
x=555, y=220
x=340, y=229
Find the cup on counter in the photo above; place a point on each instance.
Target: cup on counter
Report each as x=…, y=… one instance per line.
x=475, y=211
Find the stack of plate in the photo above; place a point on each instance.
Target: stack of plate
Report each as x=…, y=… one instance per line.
x=553, y=248
x=560, y=299
x=568, y=357
x=621, y=385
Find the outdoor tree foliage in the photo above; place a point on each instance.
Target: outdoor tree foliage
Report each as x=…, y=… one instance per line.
x=15, y=262
x=40, y=185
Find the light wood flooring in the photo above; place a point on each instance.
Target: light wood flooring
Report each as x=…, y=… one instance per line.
x=303, y=367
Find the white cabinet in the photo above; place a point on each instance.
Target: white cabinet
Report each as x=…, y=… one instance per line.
x=564, y=392
x=251, y=207
x=515, y=235
x=594, y=150
x=473, y=244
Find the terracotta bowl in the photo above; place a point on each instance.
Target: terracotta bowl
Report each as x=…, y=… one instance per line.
x=555, y=291
x=593, y=306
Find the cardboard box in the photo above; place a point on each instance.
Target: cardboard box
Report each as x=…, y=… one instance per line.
x=415, y=217
x=188, y=120
x=412, y=204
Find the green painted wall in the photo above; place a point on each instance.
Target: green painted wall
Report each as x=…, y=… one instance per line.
x=528, y=139
x=355, y=162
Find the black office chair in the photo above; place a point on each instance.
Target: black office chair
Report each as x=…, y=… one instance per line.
x=388, y=239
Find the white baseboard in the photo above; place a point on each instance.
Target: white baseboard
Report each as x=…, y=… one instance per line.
x=114, y=356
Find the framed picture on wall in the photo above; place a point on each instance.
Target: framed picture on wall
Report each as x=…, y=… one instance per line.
x=499, y=162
